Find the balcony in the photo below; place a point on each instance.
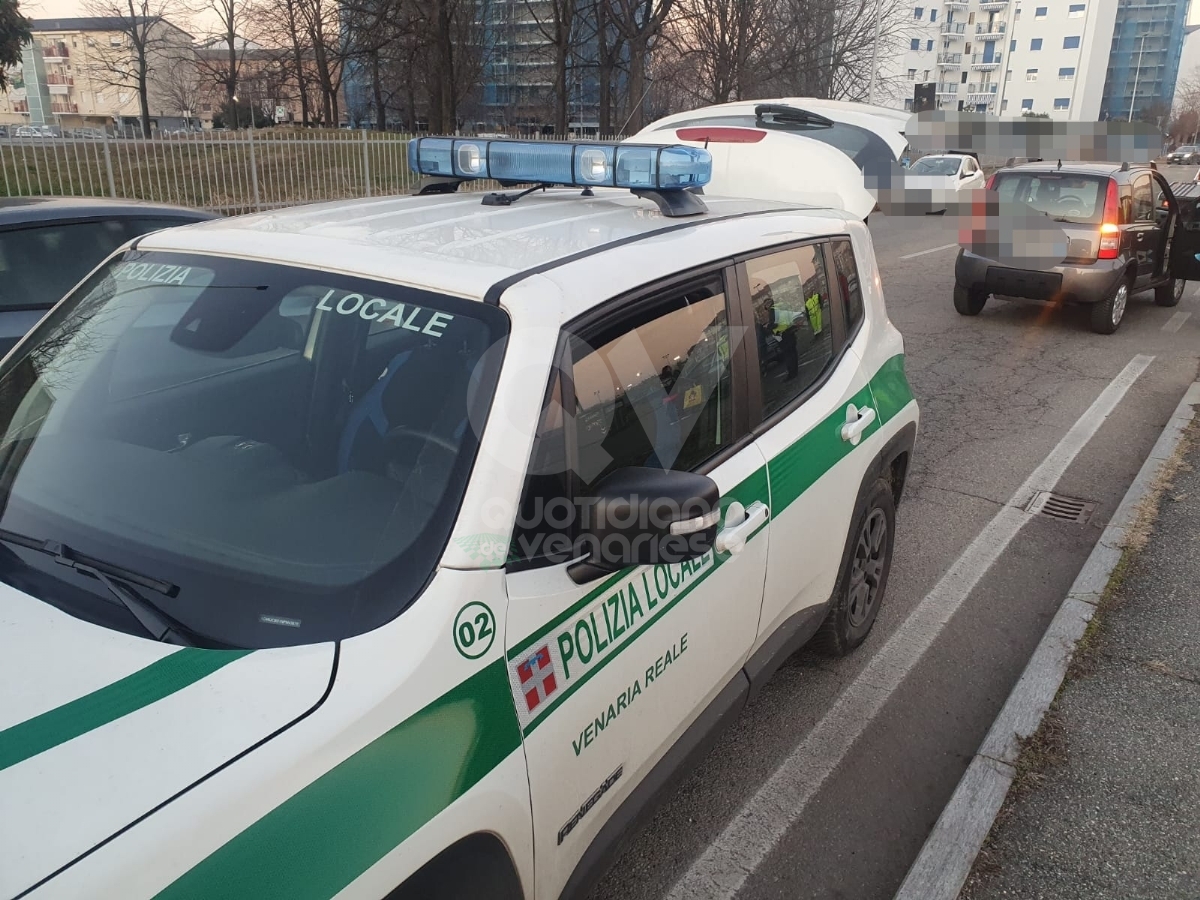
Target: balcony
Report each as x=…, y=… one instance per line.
x=981, y=93
x=60, y=79
x=955, y=4
x=953, y=29
x=59, y=89
x=56, y=52
x=992, y=31
x=981, y=61
x=992, y=5
x=949, y=60
x=21, y=106
x=946, y=89
x=64, y=107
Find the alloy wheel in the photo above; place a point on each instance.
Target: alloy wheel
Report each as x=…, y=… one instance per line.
x=866, y=568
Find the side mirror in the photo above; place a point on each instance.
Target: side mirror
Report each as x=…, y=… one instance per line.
x=642, y=516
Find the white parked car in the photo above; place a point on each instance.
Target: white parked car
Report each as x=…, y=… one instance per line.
x=401, y=547
x=946, y=177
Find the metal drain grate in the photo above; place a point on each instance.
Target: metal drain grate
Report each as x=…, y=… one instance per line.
x=1056, y=506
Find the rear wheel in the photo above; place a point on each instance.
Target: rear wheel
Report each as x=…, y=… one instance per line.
x=1109, y=312
x=1171, y=293
x=863, y=579
x=969, y=302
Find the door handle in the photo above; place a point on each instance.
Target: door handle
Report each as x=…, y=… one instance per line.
x=857, y=421
x=740, y=523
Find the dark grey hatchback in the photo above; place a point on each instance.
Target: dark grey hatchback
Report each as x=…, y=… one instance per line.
x=1118, y=220
x=48, y=245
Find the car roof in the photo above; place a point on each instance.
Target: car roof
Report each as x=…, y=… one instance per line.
x=23, y=210
x=454, y=244
x=1078, y=168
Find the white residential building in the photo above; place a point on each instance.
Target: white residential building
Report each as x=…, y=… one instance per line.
x=1008, y=57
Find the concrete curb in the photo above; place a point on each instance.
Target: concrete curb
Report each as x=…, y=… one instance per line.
x=944, y=863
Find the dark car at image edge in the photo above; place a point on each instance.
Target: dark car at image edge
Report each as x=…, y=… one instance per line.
x=48, y=245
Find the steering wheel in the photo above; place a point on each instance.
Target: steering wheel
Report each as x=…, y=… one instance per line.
x=403, y=433
x=1070, y=198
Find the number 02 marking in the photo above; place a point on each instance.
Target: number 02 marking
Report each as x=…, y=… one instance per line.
x=474, y=630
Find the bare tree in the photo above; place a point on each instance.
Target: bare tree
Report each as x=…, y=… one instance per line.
x=715, y=51
x=640, y=23
x=147, y=40
x=224, y=47
x=178, y=84
x=321, y=24
x=556, y=24
x=278, y=25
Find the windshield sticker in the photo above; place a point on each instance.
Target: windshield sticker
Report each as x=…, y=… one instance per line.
x=157, y=273
x=413, y=318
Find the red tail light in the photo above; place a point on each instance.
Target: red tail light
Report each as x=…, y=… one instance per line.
x=718, y=134
x=1110, y=232
x=991, y=182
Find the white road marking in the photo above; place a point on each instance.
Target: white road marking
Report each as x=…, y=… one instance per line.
x=1176, y=321
x=722, y=870
x=926, y=252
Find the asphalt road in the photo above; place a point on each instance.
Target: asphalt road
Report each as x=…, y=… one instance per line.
x=998, y=394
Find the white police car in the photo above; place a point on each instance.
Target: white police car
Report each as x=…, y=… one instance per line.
x=400, y=547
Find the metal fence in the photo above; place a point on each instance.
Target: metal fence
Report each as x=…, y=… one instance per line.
x=231, y=172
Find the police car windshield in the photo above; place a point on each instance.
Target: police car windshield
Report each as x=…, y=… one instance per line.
x=287, y=447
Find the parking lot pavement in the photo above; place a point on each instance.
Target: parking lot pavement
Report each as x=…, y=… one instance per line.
x=868, y=777
x=1108, y=803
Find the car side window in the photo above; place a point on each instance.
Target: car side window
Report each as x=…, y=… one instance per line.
x=38, y=265
x=1143, y=200
x=792, y=322
x=851, y=287
x=654, y=388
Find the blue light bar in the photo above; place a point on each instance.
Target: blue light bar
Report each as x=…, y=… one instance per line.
x=637, y=167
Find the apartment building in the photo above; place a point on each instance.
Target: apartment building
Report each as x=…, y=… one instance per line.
x=1143, y=68
x=1010, y=57
x=67, y=77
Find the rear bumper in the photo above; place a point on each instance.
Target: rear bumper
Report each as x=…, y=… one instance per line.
x=1066, y=283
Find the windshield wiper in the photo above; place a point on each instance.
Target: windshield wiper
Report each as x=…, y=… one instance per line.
x=118, y=580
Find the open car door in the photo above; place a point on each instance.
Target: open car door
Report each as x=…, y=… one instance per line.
x=1183, y=247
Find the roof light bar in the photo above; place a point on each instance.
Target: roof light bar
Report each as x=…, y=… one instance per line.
x=636, y=167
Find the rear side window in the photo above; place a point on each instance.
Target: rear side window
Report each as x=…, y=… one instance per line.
x=847, y=276
x=792, y=322
x=1070, y=198
x=38, y=265
x=1143, y=200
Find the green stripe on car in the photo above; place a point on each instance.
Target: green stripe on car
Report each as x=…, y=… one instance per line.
x=155, y=682
x=323, y=837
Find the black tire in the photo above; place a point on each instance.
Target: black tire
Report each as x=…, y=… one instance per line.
x=863, y=580
x=968, y=302
x=1109, y=313
x=1171, y=293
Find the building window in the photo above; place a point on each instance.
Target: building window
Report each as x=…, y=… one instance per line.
x=929, y=45
x=964, y=77
x=1035, y=44
x=1066, y=74
x=926, y=75
x=1062, y=102
x=915, y=45
x=912, y=74
x=1076, y=10
x=1040, y=12
x=1031, y=74
x=1008, y=75
x=1071, y=43
x=1004, y=106
x=908, y=104
x=115, y=41
x=918, y=12
x=1012, y=45
x=933, y=15
x=1026, y=104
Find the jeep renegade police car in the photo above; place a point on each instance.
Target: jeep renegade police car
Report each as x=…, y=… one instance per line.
x=400, y=547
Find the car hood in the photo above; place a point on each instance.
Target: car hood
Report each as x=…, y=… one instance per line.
x=99, y=728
